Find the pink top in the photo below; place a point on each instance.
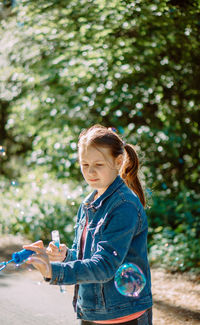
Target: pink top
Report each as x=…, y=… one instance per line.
x=116, y=320
x=121, y=319
x=83, y=237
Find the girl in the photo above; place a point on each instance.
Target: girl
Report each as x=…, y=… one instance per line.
x=111, y=230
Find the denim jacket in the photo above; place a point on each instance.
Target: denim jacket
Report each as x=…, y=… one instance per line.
x=116, y=234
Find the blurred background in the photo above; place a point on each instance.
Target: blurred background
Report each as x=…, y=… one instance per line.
x=132, y=65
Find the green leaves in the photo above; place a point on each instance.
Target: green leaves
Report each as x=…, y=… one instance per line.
x=131, y=65
x=38, y=205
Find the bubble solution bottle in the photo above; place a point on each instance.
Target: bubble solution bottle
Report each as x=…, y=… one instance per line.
x=55, y=236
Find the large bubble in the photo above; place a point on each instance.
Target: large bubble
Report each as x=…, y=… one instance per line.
x=129, y=280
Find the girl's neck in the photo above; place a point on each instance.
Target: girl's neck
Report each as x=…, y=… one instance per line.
x=96, y=196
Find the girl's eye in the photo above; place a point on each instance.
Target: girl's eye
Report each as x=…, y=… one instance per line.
x=87, y=165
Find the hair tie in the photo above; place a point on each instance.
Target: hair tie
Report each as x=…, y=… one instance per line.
x=112, y=129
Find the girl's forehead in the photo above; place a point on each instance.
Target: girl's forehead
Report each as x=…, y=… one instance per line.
x=93, y=154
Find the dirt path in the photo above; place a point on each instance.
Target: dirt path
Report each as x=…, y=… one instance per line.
x=176, y=299
x=176, y=296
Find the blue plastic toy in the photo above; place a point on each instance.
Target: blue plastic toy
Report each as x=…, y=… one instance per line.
x=17, y=258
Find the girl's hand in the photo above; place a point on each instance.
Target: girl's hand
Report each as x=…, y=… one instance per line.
x=41, y=260
x=56, y=254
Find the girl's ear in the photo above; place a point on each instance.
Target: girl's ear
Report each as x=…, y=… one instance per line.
x=119, y=161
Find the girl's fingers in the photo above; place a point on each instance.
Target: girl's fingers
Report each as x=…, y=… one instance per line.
x=51, y=244
x=52, y=247
x=52, y=250
x=40, y=261
x=38, y=243
x=63, y=246
x=35, y=249
x=55, y=248
x=32, y=248
x=41, y=264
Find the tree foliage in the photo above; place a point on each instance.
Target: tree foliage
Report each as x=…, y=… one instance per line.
x=132, y=65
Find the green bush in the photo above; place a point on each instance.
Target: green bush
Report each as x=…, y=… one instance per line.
x=174, y=230
x=175, y=251
x=38, y=206
x=135, y=66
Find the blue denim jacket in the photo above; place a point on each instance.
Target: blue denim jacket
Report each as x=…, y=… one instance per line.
x=116, y=234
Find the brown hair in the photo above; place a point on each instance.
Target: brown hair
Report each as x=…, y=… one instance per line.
x=99, y=135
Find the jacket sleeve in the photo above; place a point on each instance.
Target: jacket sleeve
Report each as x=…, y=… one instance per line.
x=71, y=253
x=116, y=236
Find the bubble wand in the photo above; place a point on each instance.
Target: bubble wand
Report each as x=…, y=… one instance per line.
x=17, y=258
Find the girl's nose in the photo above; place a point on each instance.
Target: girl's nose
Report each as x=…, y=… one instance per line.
x=91, y=170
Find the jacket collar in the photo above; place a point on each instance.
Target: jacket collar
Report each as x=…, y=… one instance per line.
x=98, y=202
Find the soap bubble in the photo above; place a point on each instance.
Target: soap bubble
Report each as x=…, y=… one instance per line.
x=2, y=265
x=39, y=261
x=2, y=151
x=63, y=289
x=14, y=183
x=129, y=280
x=18, y=265
x=23, y=266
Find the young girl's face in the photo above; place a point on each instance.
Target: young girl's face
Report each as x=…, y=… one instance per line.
x=99, y=167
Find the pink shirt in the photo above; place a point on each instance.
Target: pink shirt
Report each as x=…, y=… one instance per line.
x=121, y=319
x=83, y=237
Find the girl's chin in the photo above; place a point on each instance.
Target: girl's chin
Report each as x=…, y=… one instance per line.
x=93, y=185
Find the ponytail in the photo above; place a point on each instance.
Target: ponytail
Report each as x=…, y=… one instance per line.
x=129, y=172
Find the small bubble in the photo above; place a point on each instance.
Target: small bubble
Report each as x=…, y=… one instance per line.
x=62, y=289
x=18, y=265
x=2, y=151
x=121, y=129
x=30, y=268
x=2, y=265
x=14, y=183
